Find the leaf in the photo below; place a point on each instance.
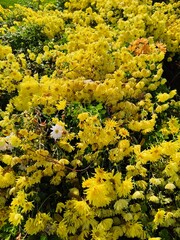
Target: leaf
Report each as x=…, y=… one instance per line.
x=165, y=235
x=43, y=237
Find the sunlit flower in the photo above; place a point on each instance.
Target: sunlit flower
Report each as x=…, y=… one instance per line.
x=154, y=199
x=138, y=195
x=159, y=217
x=170, y=186
x=15, y=218
x=57, y=132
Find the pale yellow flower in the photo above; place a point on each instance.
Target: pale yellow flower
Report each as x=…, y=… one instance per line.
x=170, y=186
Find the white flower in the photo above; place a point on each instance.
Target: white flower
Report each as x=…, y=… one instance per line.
x=57, y=131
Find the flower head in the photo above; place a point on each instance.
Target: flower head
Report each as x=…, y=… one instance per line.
x=57, y=131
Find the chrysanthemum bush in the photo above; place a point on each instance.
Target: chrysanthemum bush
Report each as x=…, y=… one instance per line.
x=90, y=131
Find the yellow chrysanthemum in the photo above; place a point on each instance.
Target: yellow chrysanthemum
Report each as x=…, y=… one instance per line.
x=125, y=188
x=15, y=218
x=159, y=217
x=98, y=195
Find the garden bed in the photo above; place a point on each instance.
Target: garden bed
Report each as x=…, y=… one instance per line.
x=90, y=120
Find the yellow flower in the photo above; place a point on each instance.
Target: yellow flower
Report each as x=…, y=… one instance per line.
x=159, y=217
x=61, y=105
x=83, y=116
x=65, y=145
x=170, y=186
x=27, y=206
x=141, y=183
x=98, y=195
x=74, y=193
x=123, y=132
x=59, y=207
x=81, y=207
x=106, y=224
x=71, y=175
x=169, y=219
x=156, y=181
x=134, y=230
x=154, y=199
x=14, y=141
x=121, y=204
x=173, y=93
x=49, y=110
x=125, y=188
x=174, y=125
x=29, y=87
x=15, y=218
x=30, y=226
x=32, y=56
x=7, y=179
x=7, y=159
x=37, y=224
x=161, y=108
x=169, y=148
x=138, y=195
x=163, y=97
x=62, y=230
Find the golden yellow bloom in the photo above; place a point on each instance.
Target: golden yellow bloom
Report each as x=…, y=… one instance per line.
x=82, y=207
x=123, y=132
x=163, y=97
x=7, y=179
x=159, y=217
x=27, y=206
x=62, y=230
x=30, y=226
x=65, y=145
x=134, y=230
x=14, y=141
x=15, y=218
x=125, y=188
x=7, y=159
x=61, y=105
x=98, y=195
x=37, y=224
x=174, y=125
x=32, y=56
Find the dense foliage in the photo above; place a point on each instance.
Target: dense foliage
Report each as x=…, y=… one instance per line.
x=89, y=128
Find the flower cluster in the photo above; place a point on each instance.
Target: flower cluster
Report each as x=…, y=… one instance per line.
x=89, y=130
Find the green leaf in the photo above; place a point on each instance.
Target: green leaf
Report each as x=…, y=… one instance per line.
x=43, y=237
x=165, y=235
